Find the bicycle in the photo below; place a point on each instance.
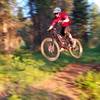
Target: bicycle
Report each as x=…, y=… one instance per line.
x=51, y=46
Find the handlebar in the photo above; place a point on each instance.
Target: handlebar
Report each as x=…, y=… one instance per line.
x=54, y=30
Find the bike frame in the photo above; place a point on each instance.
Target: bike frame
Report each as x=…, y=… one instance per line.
x=59, y=39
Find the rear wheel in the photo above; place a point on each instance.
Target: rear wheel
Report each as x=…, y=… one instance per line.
x=50, y=49
x=77, y=50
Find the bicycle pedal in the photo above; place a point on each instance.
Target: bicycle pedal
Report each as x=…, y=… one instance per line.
x=62, y=49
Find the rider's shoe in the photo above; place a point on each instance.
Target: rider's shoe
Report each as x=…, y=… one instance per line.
x=62, y=49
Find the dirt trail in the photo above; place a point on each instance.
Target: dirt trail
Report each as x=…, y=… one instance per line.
x=61, y=86
x=64, y=82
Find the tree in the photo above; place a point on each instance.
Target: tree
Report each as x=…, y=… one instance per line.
x=95, y=26
x=9, y=40
x=95, y=19
x=42, y=16
x=20, y=14
x=80, y=15
x=38, y=11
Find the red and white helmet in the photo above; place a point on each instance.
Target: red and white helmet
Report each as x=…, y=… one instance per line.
x=57, y=10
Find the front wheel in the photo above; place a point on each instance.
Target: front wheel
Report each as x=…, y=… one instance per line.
x=77, y=50
x=50, y=49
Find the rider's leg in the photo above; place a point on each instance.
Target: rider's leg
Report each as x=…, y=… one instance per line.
x=62, y=34
x=62, y=31
x=67, y=32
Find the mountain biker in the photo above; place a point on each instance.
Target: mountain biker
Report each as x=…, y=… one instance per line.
x=63, y=19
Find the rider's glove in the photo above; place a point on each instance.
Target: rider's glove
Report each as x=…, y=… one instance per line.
x=50, y=28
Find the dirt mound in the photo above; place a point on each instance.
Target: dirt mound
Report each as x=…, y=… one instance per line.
x=63, y=82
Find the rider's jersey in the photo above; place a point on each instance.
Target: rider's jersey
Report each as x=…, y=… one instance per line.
x=63, y=19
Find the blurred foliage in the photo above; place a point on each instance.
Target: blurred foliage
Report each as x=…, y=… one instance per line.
x=90, y=84
x=41, y=12
x=80, y=14
x=95, y=21
x=23, y=69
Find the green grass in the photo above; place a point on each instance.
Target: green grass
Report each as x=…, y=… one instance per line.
x=24, y=69
x=90, y=84
x=90, y=81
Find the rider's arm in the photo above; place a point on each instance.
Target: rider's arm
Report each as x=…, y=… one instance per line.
x=53, y=24
x=65, y=17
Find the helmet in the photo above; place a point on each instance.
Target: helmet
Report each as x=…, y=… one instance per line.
x=57, y=10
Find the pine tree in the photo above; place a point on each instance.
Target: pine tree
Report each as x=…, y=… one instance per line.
x=80, y=15
x=95, y=19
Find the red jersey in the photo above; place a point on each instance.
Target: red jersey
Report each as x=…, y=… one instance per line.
x=63, y=19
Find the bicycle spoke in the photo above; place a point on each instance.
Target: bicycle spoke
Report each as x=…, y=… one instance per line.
x=50, y=49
